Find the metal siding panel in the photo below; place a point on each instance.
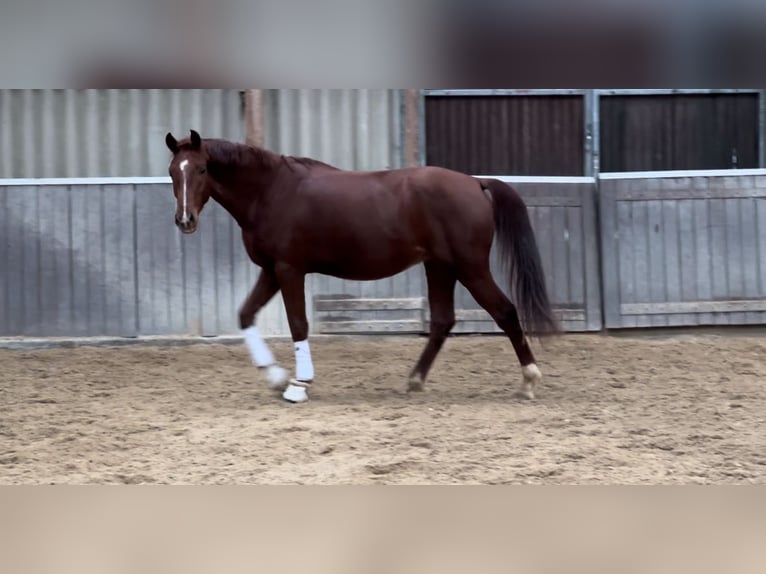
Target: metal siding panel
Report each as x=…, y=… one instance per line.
x=81, y=270
x=208, y=304
x=174, y=290
x=69, y=134
x=351, y=129
x=31, y=262
x=105, y=133
x=241, y=284
x=5, y=266
x=85, y=275
x=97, y=252
x=15, y=238
x=63, y=234
x=193, y=277
x=92, y=140
x=151, y=316
x=223, y=253
x=158, y=263
x=54, y=281
x=6, y=135
x=60, y=243
x=27, y=127
x=120, y=260
x=272, y=320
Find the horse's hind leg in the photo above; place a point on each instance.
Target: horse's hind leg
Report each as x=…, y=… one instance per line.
x=483, y=288
x=441, y=281
x=292, y=283
x=262, y=357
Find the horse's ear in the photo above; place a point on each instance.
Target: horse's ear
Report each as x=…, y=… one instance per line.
x=196, y=141
x=171, y=142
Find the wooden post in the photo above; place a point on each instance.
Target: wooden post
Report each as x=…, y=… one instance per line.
x=254, y=128
x=412, y=128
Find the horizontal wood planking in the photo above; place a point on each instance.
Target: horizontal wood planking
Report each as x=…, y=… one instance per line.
x=692, y=307
x=563, y=214
x=347, y=304
x=684, y=251
x=374, y=326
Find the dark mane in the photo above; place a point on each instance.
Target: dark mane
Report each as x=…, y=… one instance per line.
x=308, y=162
x=232, y=154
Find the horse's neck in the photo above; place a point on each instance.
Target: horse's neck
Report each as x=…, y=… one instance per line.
x=241, y=193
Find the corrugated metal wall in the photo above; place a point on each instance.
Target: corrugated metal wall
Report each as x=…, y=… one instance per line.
x=506, y=135
x=120, y=133
x=106, y=133
x=680, y=131
x=684, y=250
x=351, y=129
x=104, y=260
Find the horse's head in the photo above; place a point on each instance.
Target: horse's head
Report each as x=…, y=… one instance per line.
x=188, y=170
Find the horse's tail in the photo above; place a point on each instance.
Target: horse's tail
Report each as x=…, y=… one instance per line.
x=520, y=258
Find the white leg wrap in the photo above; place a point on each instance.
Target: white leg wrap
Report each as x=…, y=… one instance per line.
x=304, y=368
x=259, y=352
x=531, y=372
x=532, y=376
x=276, y=377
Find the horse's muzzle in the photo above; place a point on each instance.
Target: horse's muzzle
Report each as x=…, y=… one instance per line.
x=189, y=225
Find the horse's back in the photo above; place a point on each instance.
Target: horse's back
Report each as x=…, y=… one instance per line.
x=422, y=193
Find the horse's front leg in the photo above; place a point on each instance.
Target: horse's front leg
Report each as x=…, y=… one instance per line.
x=292, y=282
x=265, y=289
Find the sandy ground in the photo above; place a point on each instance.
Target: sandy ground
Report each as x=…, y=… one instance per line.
x=610, y=411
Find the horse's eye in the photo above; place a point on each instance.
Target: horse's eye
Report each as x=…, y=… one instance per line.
x=202, y=170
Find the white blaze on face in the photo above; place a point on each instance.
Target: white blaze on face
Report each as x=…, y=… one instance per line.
x=185, y=215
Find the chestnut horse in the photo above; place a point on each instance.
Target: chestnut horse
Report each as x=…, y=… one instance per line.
x=301, y=216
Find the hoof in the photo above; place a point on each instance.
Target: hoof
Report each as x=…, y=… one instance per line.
x=415, y=386
x=276, y=377
x=524, y=394
x=296, y=392
x=532, y=376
